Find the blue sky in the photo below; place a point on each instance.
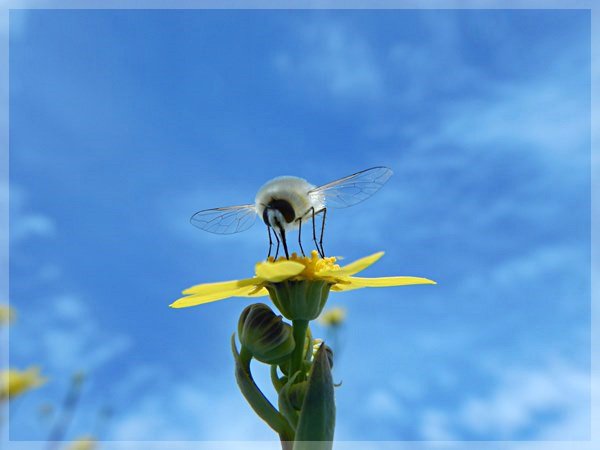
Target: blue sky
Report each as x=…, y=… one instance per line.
x=124, y=123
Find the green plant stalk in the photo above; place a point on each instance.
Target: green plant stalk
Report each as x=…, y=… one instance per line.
x=69, y=408
x=253, y=395
x=299, y=330
x=277, y=382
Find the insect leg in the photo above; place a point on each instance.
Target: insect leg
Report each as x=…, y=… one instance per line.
x=312, y=210
x=300, y=235
x=324, y=210
x=270, y=241
x=285, y=249
x=277, y=249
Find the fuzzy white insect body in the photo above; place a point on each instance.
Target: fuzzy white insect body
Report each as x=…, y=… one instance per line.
x=294, y=191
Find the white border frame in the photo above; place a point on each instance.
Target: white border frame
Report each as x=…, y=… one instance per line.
x=592, y=444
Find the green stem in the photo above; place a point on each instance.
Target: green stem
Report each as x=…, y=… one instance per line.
x=277, y=383
x=299, y=329
x=58, y=432
x=286, y=444
x=259, y=403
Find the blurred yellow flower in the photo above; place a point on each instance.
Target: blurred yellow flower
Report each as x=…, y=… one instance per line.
x=15, y=382
x=333, y=316
x=7, y=314
x=83, y=443
x=297, y=268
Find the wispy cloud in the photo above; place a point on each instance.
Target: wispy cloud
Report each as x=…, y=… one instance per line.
x=69, y=338
x=26, y=223
x=553, y=400
x=57, y=328
x=333, y=57
x=548, y=401
x=190, y=409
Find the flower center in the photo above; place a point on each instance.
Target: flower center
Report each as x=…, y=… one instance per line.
x=312, y=265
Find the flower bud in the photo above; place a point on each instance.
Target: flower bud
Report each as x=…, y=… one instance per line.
x=329, y=355
x=265, y=335
x=297, y=393
x=317, y=344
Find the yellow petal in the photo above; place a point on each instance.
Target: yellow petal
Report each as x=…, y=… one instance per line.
x=213, y=288
x=278, y=271
x=352, y=268
x=256, y=292
x=349, y=283
x=199, y=299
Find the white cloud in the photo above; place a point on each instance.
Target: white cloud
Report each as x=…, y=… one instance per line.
x=448, y=158
x=523, y=394
x=553, y=399
x=380, y=403
x=29, y=225
x=525, y=114
x=26, y=224
x=546, y=401
x=190, y=409
x=69, y=308
x=435, y=426
x=560, y=264
x=68, y=337
x=49, y=273
x=335, y=58
x=435, y=65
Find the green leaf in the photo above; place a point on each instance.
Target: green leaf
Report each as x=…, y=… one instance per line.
x=317, y=418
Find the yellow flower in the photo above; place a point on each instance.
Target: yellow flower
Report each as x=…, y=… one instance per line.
x=83, y=443
x=333, y=317
x=16, y=382
x=298, y=268
x=7, y=314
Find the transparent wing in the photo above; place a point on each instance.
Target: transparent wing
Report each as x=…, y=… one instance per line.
x=227, y=220
x=353, y=189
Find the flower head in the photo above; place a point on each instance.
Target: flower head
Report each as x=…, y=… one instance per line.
x=16, y=382
x=83, y=443
x=7, y=314
x=333, y=317
x=270, y=273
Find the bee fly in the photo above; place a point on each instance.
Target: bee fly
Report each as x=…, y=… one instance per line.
x=286, y=203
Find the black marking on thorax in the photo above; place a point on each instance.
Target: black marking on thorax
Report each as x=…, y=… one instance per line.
x=283, y=206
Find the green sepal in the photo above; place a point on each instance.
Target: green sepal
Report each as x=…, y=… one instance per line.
x=316, y=424
x=253, y=395
x=299, y=300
